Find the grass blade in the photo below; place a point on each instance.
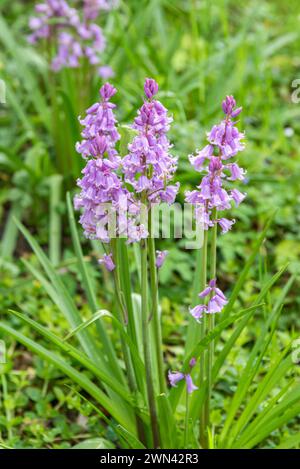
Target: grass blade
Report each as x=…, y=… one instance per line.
x=63, y=296
x=131, y=440
x=79, y=378
x=86, y=324
x=254, y=358
x=104, y=377
x=90, y=292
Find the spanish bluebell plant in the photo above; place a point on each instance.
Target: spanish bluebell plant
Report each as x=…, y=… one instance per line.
x=211, y=198
x=102, y=187
x=75, y=36
x=137, y=182
x=149, y=168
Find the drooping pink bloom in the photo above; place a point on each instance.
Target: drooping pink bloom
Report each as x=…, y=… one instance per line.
x=225, y=224
x=189, y=384
x=197, y=312
x=216, y=301
x=107, y=261
x=192, y=362
x=106, y=72
x=176, y=376
x=237, y=196
x=160, y=258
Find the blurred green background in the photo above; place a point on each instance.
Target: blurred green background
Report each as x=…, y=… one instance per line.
x=198, y=51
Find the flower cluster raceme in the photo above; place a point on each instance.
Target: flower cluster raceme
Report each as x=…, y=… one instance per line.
x=149, y=166
x=52, y=15
x=76, y=37
x=215, y=162
x=104, y=195
x=100, y=183
x=216, y=301
x=176, y=376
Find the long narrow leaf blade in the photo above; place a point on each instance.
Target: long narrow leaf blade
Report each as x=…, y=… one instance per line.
x=74, y=375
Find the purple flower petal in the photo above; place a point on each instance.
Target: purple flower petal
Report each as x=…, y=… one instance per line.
x=174, y=377
x=225, y=224
x=150, y=87
x=107, y=261
x=189, y=384
x=160, y=258
x=192, y=362
x=197, y=311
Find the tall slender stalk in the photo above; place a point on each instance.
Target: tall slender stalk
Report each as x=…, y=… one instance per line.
x=55, y=119
x=126, y=299
x=124, y=272
x=211, y=324
x=203, y=279
x=194, y=329
x=186, y=428
x=122, y=317
x=155, y=309
x=122, y=313
x=146, y=340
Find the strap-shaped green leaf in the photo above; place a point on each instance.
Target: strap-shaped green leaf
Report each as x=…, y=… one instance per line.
x=119, y=414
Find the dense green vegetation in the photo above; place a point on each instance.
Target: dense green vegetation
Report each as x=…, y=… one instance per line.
x=198, y=51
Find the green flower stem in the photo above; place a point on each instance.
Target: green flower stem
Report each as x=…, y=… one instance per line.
x=203, y=279
x=155, y=310
x=126, y=298
x=124, y=271
x=186, y=426
x=56, y=135
x=122, y=318
x=146, y=341
x=211, y=323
